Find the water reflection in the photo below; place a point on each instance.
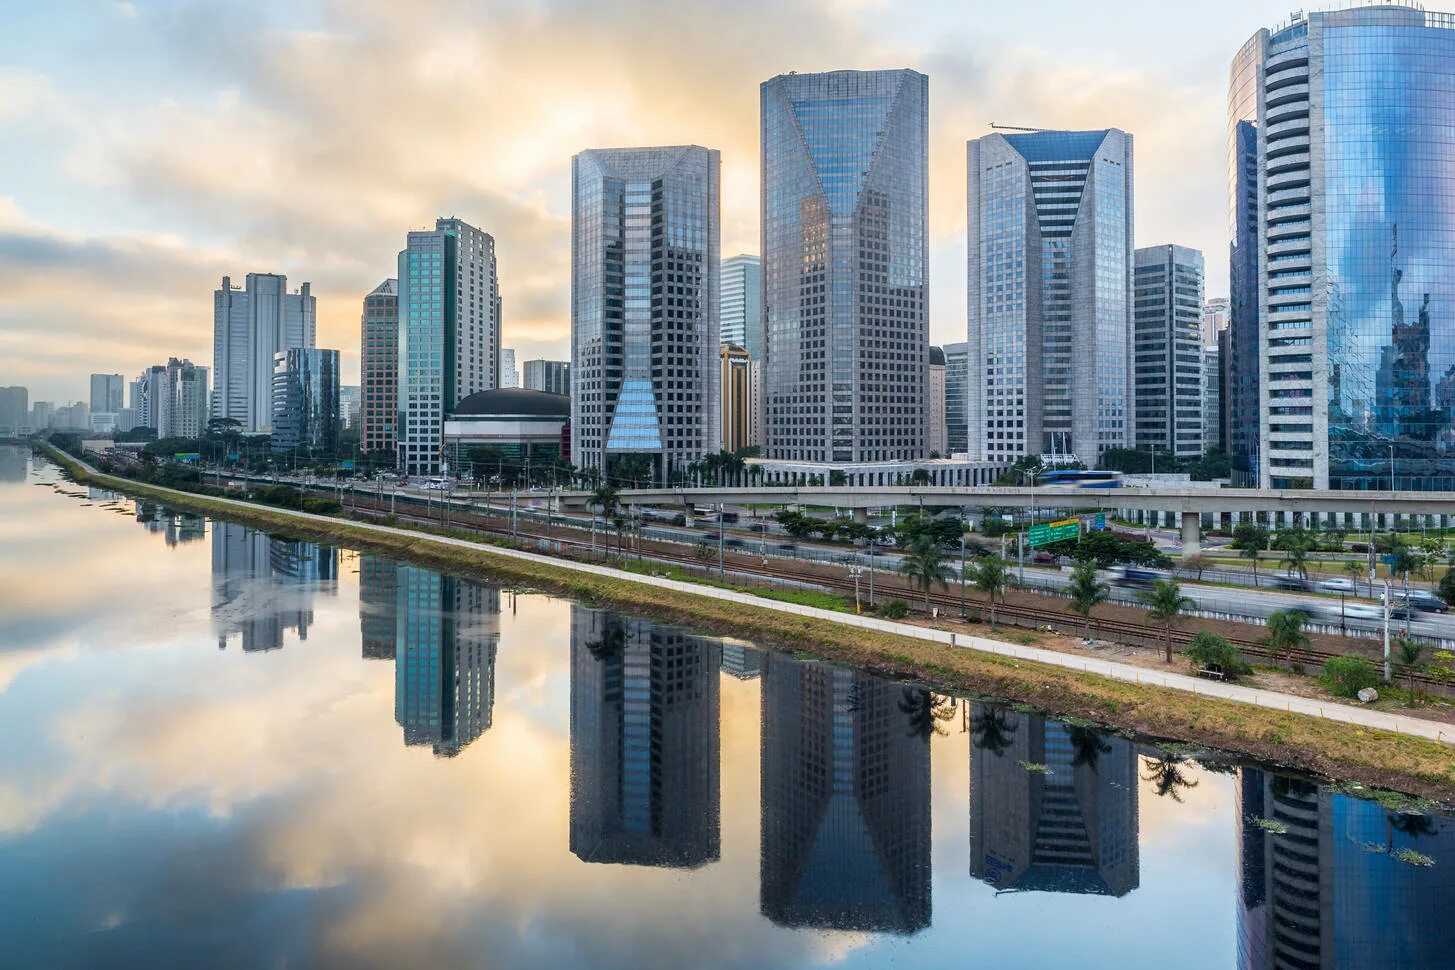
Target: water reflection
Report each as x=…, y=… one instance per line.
x=444, y=659
x=262, y=586
x=14, y=463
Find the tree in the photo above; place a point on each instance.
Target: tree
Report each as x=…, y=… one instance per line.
x=926, y=564
x=1410, y=652
x=1165, y=603
x=1086, y=592
x=1249, y=539
x=1402, y=558
x=1295, y=544
x=1354, y=569
x=1167, y=777
x=1285, y=634
x=1087, y=746
x=1196, y=564
x=604, y=500
x=990, y=576
x=1208, y=651
x=992, y=728
x=925, y=712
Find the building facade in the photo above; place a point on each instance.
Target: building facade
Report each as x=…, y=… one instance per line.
x=514, y=425
x=509, y=374
x=551, y=376
x=644, y=309
x=957, y=372
x=1354, y=234
x=737, y=398
x=937, y=433
x=1214, y=319
x=449, y=334
x=1049, y=294
x=306, y=400
x=1167, y=348
x=845, y=255
x=106, y=393
x=379, y=369
x=174, y=399
x=250, y=325
x=14, y=408
x=742, y=303
x=1212, y=398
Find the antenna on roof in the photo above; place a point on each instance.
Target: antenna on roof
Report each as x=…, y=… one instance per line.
x=995, y=127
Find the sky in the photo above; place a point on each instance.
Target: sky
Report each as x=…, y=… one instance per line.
x=147, y=149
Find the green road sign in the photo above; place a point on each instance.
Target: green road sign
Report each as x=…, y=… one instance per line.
x=1047, y=533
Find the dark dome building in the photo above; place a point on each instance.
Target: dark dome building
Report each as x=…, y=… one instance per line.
x=508, y=424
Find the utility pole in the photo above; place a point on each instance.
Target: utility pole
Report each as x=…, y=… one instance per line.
x=1387, y=671
x=962, y=569
x=720, y=570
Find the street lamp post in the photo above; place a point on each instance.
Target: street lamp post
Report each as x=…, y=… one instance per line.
x=962, y=571
x=856, y=571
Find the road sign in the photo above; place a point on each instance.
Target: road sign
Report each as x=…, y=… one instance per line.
x=1100, y=524
x=348, y=465
x=1044, y=535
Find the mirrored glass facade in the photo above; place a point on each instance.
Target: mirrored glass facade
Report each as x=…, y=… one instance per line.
x=305, y=400
x=844, y=265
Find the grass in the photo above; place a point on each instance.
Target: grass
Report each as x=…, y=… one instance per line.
x=1379, y=758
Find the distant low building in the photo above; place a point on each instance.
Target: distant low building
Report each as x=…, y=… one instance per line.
x=513, y=421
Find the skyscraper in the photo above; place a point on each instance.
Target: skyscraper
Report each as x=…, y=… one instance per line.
x=1214, y=319
x=1050, y=294
x=106, y=393
x=1167, y=343
x=1355, y=308
x=306, y=400
x=957, y=366
x=737, y=398
x=509, y=374
x=845, y=256
x=174, y=399
x=644, y=309
x=379, y=368
x=449, y=334
x=937, y=431
x=14, y=408
x=742, y=303
x=1212, y=397
x=551, y=376
x=249, y=326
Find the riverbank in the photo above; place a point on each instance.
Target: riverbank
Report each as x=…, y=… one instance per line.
x=1375, y=757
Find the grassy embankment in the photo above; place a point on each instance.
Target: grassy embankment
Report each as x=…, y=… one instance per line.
x=1378, y=758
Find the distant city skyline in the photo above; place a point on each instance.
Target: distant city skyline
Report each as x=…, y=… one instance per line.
x=115, y=233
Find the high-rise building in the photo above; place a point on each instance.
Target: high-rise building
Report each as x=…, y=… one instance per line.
x=1050, y=294
x=306, y=400
x=350, y=406
x=957, y=371
x=937, y=431
x=174, y=400
x=249, y=325
x=509, y=374
x=1214, y=319
x=845, y=792
x=73, y=417
x=644, y=309
x=551, y=376
x=742, y=303
x=1355, y=306
x=845, y=256
x=41, y=414
x=106, y=393
x=14, y=408
x=737, y=398
x=1240, y=389
x=1212, y=397
x=449, y=334
x=379, y=368
x=644, y=743
x=1069, y=829
x=1167, y=348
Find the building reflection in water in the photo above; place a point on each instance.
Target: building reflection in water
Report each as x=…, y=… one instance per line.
x=447, y=631
x=1070, y=828
x=14, y=463
x=1330, y=881
x=644, y=743
x=263, y=586
x=378, y=606
x=176, y=527
x=741, y=660
x=845, y=799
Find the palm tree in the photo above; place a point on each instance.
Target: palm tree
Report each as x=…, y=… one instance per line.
x=925, y=711
x=1086, y=592
x=1353, y=568
x=603, y=499
x=990, y=578
x=1413, y=824
x=1285, y=634
x=1165, y=603
x=1295, y=545
x=1410, y=652
x=926, y=563
x=611, y=642
x=1167, y=777
x=1402, y=559
x=1249, y=539
x=992, y=728
x=1087, y=745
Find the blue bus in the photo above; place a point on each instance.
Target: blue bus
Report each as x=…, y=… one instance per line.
x=1070, y=478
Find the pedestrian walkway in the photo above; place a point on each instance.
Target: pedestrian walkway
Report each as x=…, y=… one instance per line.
x=1329, y=710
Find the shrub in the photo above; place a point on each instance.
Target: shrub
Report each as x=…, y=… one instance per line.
x=1208, y=651
x=321, y=506
x=1346, y=676
x=894, y=609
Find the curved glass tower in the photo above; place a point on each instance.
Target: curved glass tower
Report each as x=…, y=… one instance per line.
x=1355, y=156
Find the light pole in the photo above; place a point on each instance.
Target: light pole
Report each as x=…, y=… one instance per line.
x=962, y=568
x=720, y=570
x=856, y=571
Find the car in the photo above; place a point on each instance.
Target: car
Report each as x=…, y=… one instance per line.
x=1337, y=585
x=1359, y=611
x=1288, y=581
x=1043, y=557
x=1422, y=600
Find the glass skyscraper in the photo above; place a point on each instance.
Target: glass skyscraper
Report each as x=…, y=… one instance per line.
x=305, y=400
x=845, y=253
x=1355, y=303
x=644, y=310
x=1049, y=294
x=379, y=368
x=957, y=362
x=742, y=303
x=1167, y=340
x=249, y=325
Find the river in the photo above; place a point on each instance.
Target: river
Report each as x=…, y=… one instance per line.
x=225, y=749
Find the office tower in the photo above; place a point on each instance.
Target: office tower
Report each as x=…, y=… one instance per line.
x=644, y=306
x=187, y=389
x=444, y=668
x=379, y=367
x=263, y=587
x=741, y=314
x=350, y=405
x=1356, y=341
x=106, y=391
x=845, y=790
x=644, y=743
x=151, y=398
x=378, y=606
x=1167, y=349
x=72, y=417
x=551, y=376
x=249, y=326
x=1212, y=398
x=1069, y=829
x=1050, y=294
x=845, y=253
x=1240, y=390
x=14, y=408
x=737, y=398
x=1214, y=319
x=937, y=439
x=41, y=414
x=306, y=400
x=509, y=375
x=957, y=366
x=449, y=334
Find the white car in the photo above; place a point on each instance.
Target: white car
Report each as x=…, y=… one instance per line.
x=1337, y=585
x=1360, y=611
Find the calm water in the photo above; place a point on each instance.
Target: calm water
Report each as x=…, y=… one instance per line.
x=224, y=749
